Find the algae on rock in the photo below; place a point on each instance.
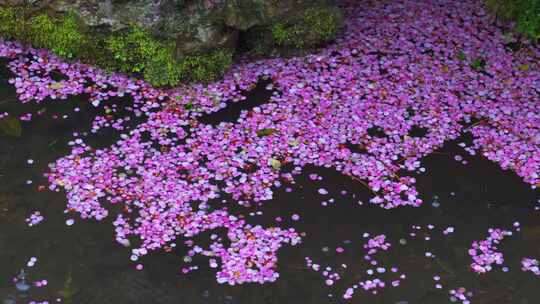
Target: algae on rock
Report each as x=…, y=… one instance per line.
x=525, y=13
x=317, y=25
x=166, y=41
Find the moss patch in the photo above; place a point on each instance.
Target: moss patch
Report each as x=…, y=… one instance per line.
x=526, y=14
x=13, y=24
x=60, y=35
x=132, y=51
x=136, y=51
x=317, y=26
x=209, y=65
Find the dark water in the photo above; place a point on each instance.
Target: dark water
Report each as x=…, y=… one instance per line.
x=83, y=264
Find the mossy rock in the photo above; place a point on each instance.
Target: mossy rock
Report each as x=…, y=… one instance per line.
x=11, y=25
x=296, y=34
x=138, y=52
x=525, y=13
x=197, y=47
x=60, y=35
x=133, y=50
x=317, y=26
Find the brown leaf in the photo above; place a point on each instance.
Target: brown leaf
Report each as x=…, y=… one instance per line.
x=11, y=126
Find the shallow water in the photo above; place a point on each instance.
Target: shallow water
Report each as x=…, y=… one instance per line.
x=83, y=264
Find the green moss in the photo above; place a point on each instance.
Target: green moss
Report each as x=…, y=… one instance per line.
x=132, y=51
x=206, y=67
x=60, y=35
x=478, y=64
x=266, y=132
x=188, y=106
x=13, y=25
x=323, y=24
x=137, y=51
x=526, y=14
x=317, y=25
x=159, y=67
x=286, y=35
x=528, y=21
x=96, y=54
x=162, y=69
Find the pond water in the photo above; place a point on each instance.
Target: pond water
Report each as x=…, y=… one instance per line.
x=83, y=264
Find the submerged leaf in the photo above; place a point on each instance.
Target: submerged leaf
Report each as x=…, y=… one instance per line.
x=68, y=291
x=478, y=64
x=56, y=85
x=523, y=67
x=276, y=164
x=11, y=126
x=266, y=132
x=294, y=143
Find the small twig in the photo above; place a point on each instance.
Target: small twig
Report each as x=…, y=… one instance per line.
x=477, y=123
x=441, y=153
x=363, y=183
x=53, y=142
x=445, y=267
x=394, y=175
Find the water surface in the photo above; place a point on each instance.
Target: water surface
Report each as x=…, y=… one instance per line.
x=84, y=265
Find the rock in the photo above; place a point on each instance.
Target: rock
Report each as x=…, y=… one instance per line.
x=189, y=28
x=186, y=22
x=205, y=37
x=193, y=26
